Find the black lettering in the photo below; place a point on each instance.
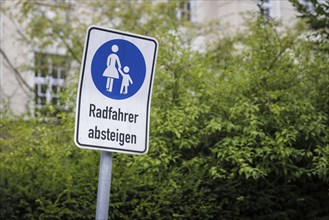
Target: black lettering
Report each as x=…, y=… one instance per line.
x=91, y=133
x=121, y=139
x=108, y=133
x=109, y=113
x=112, y=136
x=133, y=139
x=117, y=136
x=105, y=112
x=131, y=117
x=120, y=114
x=127, y=140
x=115, y=115
x=103, y=137
x=98, y=113
x=97, y=133
x=92, y=108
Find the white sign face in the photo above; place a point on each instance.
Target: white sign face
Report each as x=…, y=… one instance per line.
x=114, y=95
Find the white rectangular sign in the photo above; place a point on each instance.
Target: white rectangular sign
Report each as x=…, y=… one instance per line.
x=114, y=94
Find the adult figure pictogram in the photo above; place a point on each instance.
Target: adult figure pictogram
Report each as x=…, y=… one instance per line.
x=113, y=67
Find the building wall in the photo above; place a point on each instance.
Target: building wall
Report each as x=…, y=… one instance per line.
x=226, y=12
x=15, y=91
x=288, y=13
x=231, y=12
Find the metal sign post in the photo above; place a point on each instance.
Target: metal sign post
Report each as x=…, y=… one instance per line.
x=104, y=185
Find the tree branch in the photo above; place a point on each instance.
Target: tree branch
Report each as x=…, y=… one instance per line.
x=20, y=79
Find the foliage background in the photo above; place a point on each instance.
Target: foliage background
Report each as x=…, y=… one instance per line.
x=238, y=131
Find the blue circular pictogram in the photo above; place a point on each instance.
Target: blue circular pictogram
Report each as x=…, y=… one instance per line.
x=118, y=69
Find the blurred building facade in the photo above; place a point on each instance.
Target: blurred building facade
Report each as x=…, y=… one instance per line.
x=24, y=90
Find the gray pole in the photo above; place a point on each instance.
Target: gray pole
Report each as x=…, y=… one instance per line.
x=104, y=186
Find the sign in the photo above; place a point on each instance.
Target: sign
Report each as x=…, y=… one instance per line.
x=114, y=94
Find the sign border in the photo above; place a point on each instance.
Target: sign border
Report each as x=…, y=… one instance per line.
x=82, y=72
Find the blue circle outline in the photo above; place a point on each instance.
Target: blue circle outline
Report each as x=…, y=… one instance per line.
x=130, y=56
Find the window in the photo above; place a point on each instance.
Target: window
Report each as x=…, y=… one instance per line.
x=54, y=3
x=50, y=73
x=308, y=5
x=265, y=8
x=183, y=10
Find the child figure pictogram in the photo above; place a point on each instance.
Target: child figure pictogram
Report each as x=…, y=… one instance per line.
x=126, y=80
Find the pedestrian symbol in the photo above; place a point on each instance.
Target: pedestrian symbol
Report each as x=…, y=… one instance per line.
x=125, y=81
x=118, y=69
